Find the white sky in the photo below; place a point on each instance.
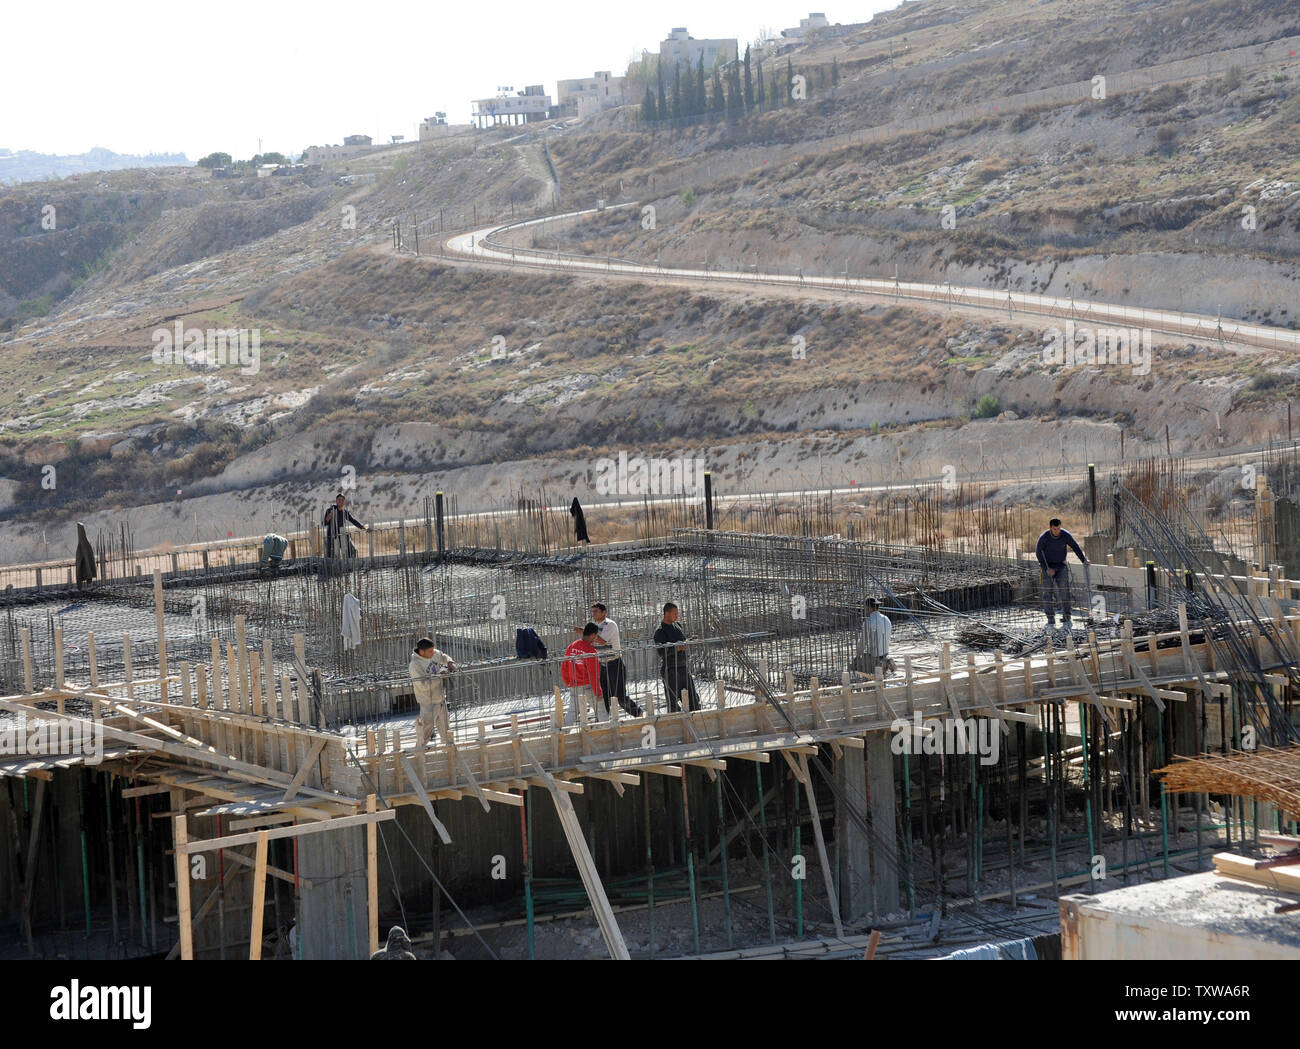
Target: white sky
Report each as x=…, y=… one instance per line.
x=145, y=76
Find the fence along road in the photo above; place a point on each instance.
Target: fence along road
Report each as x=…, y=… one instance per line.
x=478, y=244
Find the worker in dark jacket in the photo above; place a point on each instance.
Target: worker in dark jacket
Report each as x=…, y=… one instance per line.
x=673, y=663
x=337, y=541
x=1053, y=547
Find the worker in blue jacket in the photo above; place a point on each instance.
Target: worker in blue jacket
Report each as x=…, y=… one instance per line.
x=1053, y=547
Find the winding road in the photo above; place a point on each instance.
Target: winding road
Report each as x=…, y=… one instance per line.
x=479, y=245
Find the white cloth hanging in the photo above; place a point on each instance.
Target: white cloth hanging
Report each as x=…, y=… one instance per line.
x=351, y=622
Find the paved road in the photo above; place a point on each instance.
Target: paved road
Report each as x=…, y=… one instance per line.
x=479, y=245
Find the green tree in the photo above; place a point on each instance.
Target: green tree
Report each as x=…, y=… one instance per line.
x=648, y=105
x=749, y=83
x=677, y=92
x=700, y=104
x=718, y=101
x=789, y=81
x=987, y=407
x=735, y=93
x=835, y=73
x=663, y=102
x=215, y=160
x=761, y=93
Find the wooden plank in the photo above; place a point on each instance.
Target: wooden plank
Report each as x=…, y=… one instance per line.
x=180, y=838
x=161, y=627
x=423, y=797
x=259, y=899
x=1150, y=689
x=586, y=866
x=821, y=847
x=1282, y=879
x=229, y=841
x=469, y=777
x=142, y=792
x=372, y=877
x=27, y=660
x=303, y=770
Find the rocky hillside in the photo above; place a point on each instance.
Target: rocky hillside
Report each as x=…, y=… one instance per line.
x=917, y=153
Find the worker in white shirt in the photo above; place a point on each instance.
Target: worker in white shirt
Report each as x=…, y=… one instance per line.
x=873, y=642
x=426, y=669
x=613, y=673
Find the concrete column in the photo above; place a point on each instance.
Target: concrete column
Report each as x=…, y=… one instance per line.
x=335, y=862
x=867, y=778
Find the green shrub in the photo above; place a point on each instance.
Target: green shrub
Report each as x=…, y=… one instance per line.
x=987, y=407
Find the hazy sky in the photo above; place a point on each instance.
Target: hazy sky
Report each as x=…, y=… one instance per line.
x=149, y=76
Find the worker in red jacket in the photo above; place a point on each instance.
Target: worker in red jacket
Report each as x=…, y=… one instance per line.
x=581, y=672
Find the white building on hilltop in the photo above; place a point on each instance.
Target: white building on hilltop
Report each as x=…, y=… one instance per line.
x=586, y=95
x=681, y=47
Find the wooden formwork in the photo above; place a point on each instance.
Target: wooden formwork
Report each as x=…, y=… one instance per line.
x=230, y=739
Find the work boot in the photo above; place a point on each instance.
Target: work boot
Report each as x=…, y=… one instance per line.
x=1051, y=622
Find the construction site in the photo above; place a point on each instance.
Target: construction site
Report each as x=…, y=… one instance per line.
x=200, y=760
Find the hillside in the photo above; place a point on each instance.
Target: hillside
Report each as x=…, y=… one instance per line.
x=923, y=162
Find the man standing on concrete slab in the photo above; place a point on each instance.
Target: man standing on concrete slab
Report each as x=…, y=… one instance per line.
x=1054, y=546
x=337, y=541
x=613, y=672
x=873, y=642
x=426, y=672
x=673, y=662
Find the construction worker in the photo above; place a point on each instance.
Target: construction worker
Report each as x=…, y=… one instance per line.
x=613, y=672
x=426, y=673
x=674, y=664
x=581, y=672
x=337, y=541
x=873, y=642
x=1053, y=547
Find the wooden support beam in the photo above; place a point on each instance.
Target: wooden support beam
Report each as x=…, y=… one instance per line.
x=229, y=841
x=473, y=783
x=259, y=898
x=372, y=877
x=420, y=793
x=586, y=866
x=179, y=840
x=821, y=847
x=303, y=770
